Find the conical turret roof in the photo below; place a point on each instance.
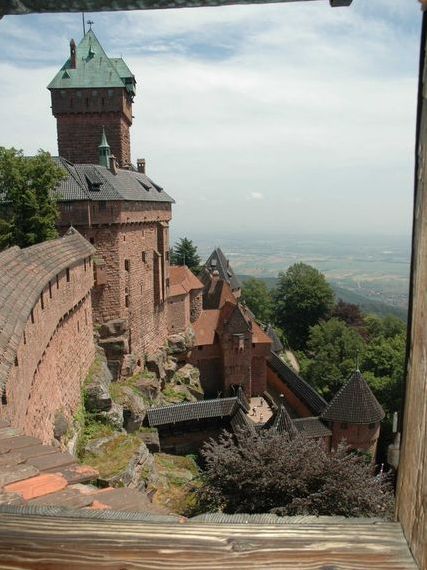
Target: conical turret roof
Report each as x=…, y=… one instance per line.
x=282, y=422
x=354, y=403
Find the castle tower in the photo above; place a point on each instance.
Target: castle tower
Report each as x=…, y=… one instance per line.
x=354, y=415
x=91, y=92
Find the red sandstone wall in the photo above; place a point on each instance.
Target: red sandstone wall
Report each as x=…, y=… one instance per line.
x=237, y=363
x=277, y=385
x=178, y=313
x=136, y=237
x=82, y=114
x=196, y=305
x=259, y=375
x=358, y=436
x=54, y=355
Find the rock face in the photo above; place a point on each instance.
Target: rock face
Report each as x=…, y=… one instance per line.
x=114, y=416
x=134, y=409
x=181, y=343
x=61, y=426
x=114, y=339
x=156, y=363
x=188, y=376
x=139, y=468
x=97, y=389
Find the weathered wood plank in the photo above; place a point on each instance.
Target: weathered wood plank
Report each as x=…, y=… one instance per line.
x=412, y=481
x=53, y=542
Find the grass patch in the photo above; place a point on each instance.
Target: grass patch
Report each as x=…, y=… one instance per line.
x=115, y=455
x=180, y=476
x=173, y=395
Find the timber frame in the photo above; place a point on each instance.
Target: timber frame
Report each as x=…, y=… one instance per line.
x=49, y=538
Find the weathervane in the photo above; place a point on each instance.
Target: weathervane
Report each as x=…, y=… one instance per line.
x=90, y=22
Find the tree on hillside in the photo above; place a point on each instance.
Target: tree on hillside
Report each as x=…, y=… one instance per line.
x=302, y=298
x=257, y=296
x=185, y=253
x=332, y=348
x=271, y=472
x=349, y=313
x=387, y=327
x=29, y=211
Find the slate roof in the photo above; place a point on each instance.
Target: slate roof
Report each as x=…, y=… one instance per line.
x=354, y=403
x=97, y=183
x=298, y=385
x=218, y=262
x=281, y=422
x=24, y=273
x=277, y=345
x=182, y=281
x=240, y=421
x=94, y=69
x=220, y=407
x=312, y=427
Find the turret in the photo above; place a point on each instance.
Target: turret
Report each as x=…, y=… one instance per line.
x=354, y=415
x=92, y=92
x=104, y=151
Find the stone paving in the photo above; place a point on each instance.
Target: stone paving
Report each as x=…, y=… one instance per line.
x=260, y=411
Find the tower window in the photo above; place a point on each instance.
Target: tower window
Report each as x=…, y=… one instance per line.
x=67, y=271
x=126, y=300
x=50, y=290
x=127, y=265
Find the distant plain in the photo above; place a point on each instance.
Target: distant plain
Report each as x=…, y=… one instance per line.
x=372, y=271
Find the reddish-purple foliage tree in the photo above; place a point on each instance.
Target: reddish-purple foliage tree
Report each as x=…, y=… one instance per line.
x=271, y=472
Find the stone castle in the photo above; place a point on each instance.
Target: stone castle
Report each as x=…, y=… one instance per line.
x=111, y=270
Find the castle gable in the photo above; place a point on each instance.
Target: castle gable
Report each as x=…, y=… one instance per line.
x=93, y=68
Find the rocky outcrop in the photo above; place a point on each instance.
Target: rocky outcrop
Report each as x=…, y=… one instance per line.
x=97, y=395
x=181, y=343
x=134, y=409
x=114, y=339
x=113, y=416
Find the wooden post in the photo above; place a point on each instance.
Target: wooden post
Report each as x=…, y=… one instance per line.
x=412, y=480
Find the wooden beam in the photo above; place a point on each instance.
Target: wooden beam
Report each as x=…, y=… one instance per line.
x=412, y=480
x=58, y=542
x=30, y=6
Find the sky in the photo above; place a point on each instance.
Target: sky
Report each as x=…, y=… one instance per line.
x=282, y=118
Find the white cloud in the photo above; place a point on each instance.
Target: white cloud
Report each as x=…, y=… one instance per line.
x=310, y=108
x=256, y=196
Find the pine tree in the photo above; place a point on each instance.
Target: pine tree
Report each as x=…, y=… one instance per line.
x=185, y=253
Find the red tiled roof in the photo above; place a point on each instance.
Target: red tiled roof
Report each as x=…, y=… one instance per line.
x=205, y=327
x=182, y=281
x=258, y=335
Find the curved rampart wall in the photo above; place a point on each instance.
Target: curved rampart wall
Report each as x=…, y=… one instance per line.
x=46, y=344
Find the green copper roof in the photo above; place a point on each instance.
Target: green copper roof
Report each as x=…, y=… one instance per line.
x=93, y=69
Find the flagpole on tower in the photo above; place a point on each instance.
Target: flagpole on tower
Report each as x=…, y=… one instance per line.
x=83, y=22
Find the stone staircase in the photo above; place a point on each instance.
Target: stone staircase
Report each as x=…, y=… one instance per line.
x=35, y=474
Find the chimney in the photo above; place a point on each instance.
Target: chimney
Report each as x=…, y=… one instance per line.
x=140, y=165
x=73, y=54
x=113, y=164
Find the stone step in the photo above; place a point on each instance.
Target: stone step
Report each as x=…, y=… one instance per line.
x=11, y=458
x=6, y=432
x=52, y=461
x=18, y=442
x=37, y=486
x=125, y=499
x=78, y=473
x=13, y=473
x=69, y=497
x=28, y=453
